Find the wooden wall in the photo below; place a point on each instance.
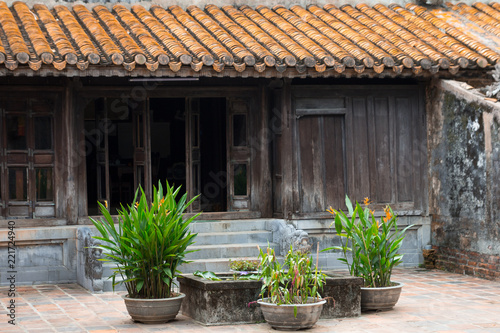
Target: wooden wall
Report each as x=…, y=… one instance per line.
x=366, y=141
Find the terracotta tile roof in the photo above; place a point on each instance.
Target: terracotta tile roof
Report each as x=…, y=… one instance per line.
x=251, y=39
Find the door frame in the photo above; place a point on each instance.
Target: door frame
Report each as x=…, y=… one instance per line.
x=256, y=115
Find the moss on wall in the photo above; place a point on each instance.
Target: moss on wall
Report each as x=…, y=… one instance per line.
x=463, y=175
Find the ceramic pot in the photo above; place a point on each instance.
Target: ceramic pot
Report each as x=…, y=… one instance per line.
x=281, y=317
x=153, y=311
x=383, y=298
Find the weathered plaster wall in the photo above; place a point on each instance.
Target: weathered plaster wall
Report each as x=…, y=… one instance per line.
x=464, y=150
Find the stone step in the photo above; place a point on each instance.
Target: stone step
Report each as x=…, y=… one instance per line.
x=227, y=250
x=233, y=237
x=214, y=265
x=225, y=226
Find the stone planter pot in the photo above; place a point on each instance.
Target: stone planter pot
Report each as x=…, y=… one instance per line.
x=383, y=298
x=346, y=293
x=153, y=311
x=220, y=302
x=281, y=317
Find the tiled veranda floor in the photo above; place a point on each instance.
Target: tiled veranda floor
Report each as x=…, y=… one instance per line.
x=432, y=301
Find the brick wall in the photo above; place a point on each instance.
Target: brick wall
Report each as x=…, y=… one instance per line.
x=468, y=262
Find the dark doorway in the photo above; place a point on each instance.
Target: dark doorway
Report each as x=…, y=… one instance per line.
x=110, y=155
x=168, y=142
x=213, y=155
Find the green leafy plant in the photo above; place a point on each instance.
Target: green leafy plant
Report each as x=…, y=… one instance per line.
x=373, y=243
x=292, y=282
x=244, y=265
x=150, y=242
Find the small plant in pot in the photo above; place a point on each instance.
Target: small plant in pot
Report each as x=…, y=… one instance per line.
x=148, y=245
x=373, y=244
x=290, y=291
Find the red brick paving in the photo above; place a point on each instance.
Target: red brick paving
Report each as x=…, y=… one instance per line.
x=432, y=301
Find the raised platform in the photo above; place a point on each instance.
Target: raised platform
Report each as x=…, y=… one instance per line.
x=233, y=302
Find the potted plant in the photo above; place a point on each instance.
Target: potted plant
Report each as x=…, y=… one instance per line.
x=149, y=244
x=373, y=244
x=290, y=291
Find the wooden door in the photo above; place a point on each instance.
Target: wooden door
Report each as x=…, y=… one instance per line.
x=28, y=157
x=364, y=143
x=193, y=154
x=238, y=154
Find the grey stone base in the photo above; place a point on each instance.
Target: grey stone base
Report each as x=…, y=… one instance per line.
x=346, y=293
x=220, y=302
x=232, y=302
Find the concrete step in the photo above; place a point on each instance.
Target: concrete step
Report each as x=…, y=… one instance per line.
x=225, y=226
x=213, y=265
x=233, y=237
x=227, y=250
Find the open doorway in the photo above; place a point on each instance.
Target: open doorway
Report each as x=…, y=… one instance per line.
x=213, y=177
x=110, y=155
x=168, y=142
x=169, y=148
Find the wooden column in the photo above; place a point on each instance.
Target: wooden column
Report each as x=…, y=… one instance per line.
x=69, y=156
x=265, y=140
x=289, y=174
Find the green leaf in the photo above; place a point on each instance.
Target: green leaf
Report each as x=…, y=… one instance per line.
x=207, y=275
x=349, y=205
x=139, y=285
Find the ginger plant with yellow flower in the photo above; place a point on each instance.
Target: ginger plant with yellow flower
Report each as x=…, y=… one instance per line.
x=150, y=242
x=369, y=245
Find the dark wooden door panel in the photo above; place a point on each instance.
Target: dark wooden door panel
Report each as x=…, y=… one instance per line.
x=405, y=163
x=322, y=162
x=311, y=180
x=373, y=150
x=359, y=171
x=383, y=173
x=335, y=162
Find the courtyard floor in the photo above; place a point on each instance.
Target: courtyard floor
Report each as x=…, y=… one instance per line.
x=431, y=301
